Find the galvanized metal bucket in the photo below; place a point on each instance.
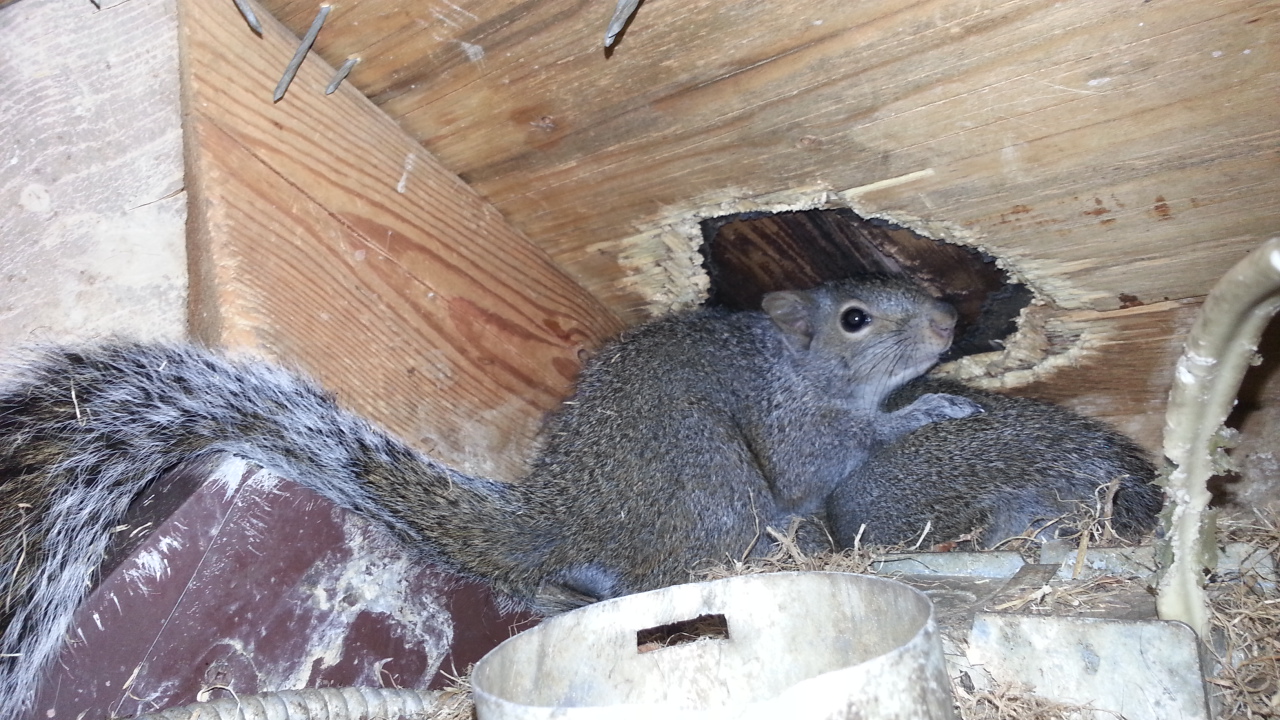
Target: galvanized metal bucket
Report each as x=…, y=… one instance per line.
x=778, y=645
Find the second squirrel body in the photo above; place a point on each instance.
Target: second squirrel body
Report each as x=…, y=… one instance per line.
x=1020, y=468
x=681, y=444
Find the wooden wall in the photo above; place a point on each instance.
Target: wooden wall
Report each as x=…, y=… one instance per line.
x=92, y=201
x=1116, y=156
x=324, y=236
x=1102, y=149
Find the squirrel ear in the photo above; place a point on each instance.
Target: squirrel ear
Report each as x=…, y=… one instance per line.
x=789, y=311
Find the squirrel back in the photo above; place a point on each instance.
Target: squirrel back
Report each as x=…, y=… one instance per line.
x=1017, y=466
x=683, y=441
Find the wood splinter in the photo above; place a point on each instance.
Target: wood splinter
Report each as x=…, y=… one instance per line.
x=303, y=48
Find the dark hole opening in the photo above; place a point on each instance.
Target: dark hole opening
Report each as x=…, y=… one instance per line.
x=703, y=627
x=750, y=254
x=1258, y=422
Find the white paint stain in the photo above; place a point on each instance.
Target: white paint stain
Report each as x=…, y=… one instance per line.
x=168, y=542
x=404, y=178
x=1098, y=81
x=150, y=564
x=475, y=53
x=375, y=579
x=229, y=475
x=1201, y=360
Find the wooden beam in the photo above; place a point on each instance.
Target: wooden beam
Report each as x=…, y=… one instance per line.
x=325, y=237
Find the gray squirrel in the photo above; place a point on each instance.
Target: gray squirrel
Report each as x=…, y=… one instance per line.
x=1020, y=467
x=683, y=441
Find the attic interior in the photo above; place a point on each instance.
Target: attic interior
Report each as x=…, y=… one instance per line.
x=490, y=194
x=1064, y=150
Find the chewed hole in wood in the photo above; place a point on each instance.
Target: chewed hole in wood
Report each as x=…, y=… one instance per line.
x=749, y=254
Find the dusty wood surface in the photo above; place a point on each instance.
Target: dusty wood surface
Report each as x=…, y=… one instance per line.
x=92, y=208
x=324, y=236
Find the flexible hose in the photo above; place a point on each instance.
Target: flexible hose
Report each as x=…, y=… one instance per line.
x=311, y=704
x=1220, y=346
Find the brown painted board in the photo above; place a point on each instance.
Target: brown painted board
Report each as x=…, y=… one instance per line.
x=225, y=578
x=322, y=235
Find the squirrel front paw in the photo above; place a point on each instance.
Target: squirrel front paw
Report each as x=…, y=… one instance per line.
x=928, y=408
x=932, y=407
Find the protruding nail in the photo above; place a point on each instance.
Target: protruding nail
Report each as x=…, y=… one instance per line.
x=341, y=75
x=303, y=48
x=249, y=16
x=626, y=8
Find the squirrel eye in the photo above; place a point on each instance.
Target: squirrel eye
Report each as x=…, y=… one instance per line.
x=854, y=319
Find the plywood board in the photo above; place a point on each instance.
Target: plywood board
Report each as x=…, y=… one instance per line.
x=1111, y=155
x=326, y=237
x=1116, y=365
x=1101, y=149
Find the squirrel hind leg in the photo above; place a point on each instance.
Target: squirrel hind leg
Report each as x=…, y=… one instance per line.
x=1030, y=515
x=576, y=586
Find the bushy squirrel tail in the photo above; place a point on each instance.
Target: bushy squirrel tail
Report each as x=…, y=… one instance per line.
x=84, y=431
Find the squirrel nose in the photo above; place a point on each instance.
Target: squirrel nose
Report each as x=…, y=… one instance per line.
x=942, y=321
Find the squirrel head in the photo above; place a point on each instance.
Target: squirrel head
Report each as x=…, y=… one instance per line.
x=870, y=334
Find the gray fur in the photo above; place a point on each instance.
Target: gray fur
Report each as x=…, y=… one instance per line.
x=684, y=440
x=1018, y=466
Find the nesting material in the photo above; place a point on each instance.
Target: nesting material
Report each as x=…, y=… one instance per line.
x=1245, y=613
x=1010, y=702
x=1245, y=610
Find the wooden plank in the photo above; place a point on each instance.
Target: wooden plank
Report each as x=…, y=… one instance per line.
x=1114, y=365
x=1066, y=138
x=92, y=221
x=326, y=237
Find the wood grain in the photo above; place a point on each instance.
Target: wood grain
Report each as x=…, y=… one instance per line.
x=1099, y=149
x=327, y=238
x=1105, y=153
x=1125, y=377
x=92, y=213
x=1114, y=365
